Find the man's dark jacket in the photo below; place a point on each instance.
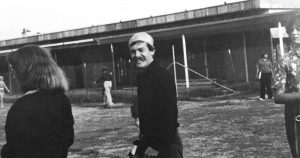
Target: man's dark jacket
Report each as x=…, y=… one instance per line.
x=157, y=108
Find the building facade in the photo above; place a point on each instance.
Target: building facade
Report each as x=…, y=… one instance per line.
x=221, y=42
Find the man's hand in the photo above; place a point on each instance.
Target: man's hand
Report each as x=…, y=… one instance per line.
x=150, y=153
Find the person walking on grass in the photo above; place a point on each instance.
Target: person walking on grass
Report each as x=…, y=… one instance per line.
x=287, y=85
x=40, y=123
x=157, y=103
x=264, y=74
x=3, y=87
x=106, y=82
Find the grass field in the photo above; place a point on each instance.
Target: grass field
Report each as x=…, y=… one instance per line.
x=215, y=127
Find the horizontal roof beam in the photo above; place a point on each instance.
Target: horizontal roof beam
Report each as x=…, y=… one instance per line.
x=150, y=21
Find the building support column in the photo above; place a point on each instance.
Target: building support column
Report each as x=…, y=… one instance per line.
x=9, y=77
x=174, y=66
x=273, y=55
x=245, y=57
x=205, y=58
x=85, y=78
x=114, y=68
x=185, y=62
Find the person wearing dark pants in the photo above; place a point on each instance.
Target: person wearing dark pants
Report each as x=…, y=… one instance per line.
x=157, y=103
x=287, y=85
x=265, y=83
x=264, y=74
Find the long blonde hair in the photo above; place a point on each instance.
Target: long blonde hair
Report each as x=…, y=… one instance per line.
x=35, y=69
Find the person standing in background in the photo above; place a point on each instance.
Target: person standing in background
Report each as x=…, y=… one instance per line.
x=106, y=82
x=264, y=74
x=3, y=87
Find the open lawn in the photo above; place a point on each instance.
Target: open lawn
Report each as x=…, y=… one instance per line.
x=223, y=127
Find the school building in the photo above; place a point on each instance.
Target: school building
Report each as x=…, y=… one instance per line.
x=220, y=42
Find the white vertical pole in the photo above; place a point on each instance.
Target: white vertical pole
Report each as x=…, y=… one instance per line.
x=280, y=39
x=185, y=62
x=9, y=77
x=174, y=66
x=245, y=57
x=85, y=81
x=205, y=58
x=233, y=69
x=113, y=63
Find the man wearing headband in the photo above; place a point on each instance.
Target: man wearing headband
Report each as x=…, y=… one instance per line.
x=157, y=103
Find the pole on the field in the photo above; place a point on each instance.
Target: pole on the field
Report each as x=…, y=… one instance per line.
x=187, y=82
x=174, y=66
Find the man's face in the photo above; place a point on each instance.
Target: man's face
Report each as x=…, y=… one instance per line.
x=141, y=55
x=295, y=34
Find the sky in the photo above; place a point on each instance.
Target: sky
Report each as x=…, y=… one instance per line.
x=45, y=16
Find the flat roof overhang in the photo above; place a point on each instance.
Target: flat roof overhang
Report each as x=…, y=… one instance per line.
x=244, y=24
x=168, y=20
x=252, y=23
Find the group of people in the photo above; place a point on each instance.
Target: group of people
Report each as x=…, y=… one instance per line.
x=40, y=123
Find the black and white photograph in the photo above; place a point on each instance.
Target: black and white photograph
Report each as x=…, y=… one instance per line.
x=150, y=79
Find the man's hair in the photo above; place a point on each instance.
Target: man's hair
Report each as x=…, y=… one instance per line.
x=262, y=55
x=35, y=68
x=150, y=47
x=290, y=22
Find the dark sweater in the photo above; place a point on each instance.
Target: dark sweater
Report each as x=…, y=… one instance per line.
x=157, y=107
x=264, y=65
x=39, y=125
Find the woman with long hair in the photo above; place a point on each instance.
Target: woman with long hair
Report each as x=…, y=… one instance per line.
x=40, y=123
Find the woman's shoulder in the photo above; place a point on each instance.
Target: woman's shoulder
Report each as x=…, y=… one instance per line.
x=42, y=96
